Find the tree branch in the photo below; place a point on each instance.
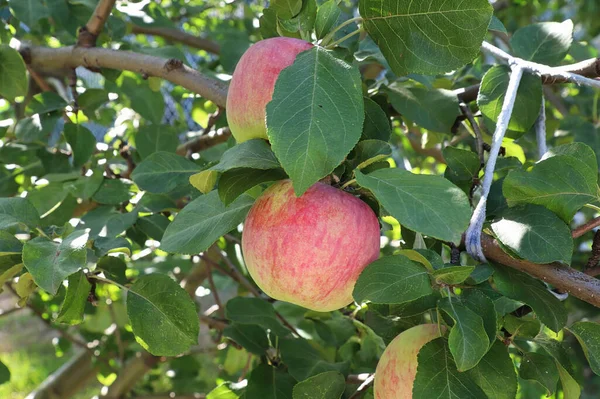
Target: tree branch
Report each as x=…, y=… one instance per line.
x=565, y=278
x=170, y=69
x=588, y=68
x=90, y=32
x=179, y=36
x=581, y=230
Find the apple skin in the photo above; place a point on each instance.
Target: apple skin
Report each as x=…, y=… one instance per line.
x=309, y=250
x=397, y=368
x=252, y=84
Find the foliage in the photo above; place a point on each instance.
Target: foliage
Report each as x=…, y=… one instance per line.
x=123, y=195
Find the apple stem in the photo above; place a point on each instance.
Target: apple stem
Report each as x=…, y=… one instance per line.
x=330, y=35
x=343, y=39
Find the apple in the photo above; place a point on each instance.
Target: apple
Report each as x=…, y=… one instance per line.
x=397, y=367
x=309, y=250
x=252, y=84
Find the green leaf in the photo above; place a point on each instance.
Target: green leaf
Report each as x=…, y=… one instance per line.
x=75, y=299
x=463, y=165
x=392, y=279
x=453, y=275
x=163, y=317
x=202, y=222
x=539, y=368
x=113, y=192
x=114, y=268
x=437, y=376
x=107, y=221
x=326, y=122
x=204, y=181
x=495, y=373
x=377, y=124
x=24, y=287
x=29, y=11
x=254, y=311
x=50, y=263
x=562, y=183
x=255, y=154
x=482, y=305
x=327, y=15
x=588, y=335
x=266, y=382
x=304, y=22
x=521, y=287
x=481, y=273
x=534, y=233
x=434, y=109
x=570, y=387
x=251, y=337
x=154, y=138
x=82, y=142
x=222, y=392
x=45, y=102
x=13, y=74
x=110, y=245
x=268, y=23
x=368, y=152
x=304, y=361
x=235, y=182
x=527, y=104
x=10, y=266
x=545, y=43
x=9, y=244
x=429, y=205
x=91, y=99
x=328, y=385
x=45, y=198
x=86, y=186
x=4, y=373
x=497, y=25
x=153, y=226
x=428, y=36
x=146, y=102
x=468, y=340
x=527, y=327
x=286, y=9
x=162, y=172
x=14, y=211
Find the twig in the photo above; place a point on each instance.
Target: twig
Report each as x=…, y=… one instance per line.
x=478, y=136
x=540, y=130
x=119, y=339
x=42, y=58
x=564, y=278
x=176, y=35
x=363, y=387
x=581, y=230
x=10, y=311
x=89, y=33
x=213, y=323
x=591, y=268
x=473, y=235
x=213, y=288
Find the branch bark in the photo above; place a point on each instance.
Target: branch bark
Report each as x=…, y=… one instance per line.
x=588, y=68
x=567, y=279
x=173, y=70
x=176, y=35
x=90, y=32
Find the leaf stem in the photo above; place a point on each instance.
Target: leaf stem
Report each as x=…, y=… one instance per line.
x=108, y=281
x=594, y=207
x=331, y=34
x=343, y=39
x=348, y=183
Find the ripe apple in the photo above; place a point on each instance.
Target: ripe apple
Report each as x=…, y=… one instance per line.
x=253, y=82
x=397, y=367
x=309, y=250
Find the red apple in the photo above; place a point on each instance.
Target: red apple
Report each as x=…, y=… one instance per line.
x=397, y=368
x=309, y=250
x=253, y=82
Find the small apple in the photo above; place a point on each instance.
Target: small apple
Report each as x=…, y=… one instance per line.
x=253, y=82
x=309, y=250
x=397, y=368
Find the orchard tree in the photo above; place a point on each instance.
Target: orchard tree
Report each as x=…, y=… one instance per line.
x=304, y=199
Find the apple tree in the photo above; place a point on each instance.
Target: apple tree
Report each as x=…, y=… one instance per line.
x=304, y=199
